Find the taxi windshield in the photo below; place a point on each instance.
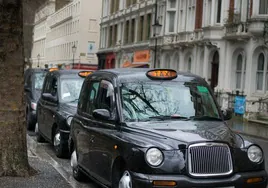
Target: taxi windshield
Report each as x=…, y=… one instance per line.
x=38, y=80
x=70, y=89
x=145, y=100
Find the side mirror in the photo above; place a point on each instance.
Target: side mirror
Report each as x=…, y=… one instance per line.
x=102, y=114
x=49, y=97
x=26, y=89
x=227, y=114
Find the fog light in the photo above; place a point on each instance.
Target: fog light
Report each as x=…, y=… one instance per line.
x=254, y=180
x=164, y=183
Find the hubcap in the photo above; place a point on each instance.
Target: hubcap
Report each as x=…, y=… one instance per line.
x=74, y=161
x=125, y=181
x=36, y=128
x=57, y=139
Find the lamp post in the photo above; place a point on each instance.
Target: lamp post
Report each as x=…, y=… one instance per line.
x=157, y=29
x=74, y=50
x=38, y=59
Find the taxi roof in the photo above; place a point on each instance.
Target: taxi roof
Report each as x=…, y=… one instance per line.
x=139, y=74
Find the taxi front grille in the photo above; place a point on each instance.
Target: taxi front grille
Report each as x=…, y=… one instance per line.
x=209, y=159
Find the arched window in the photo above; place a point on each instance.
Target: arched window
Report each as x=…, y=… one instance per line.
x=189, y=64
x=176, y=62
x=260, y=72
x=167, y=61
x=239, y=67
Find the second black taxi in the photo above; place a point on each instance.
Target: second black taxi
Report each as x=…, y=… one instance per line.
x=58, y=100
x=158, y=128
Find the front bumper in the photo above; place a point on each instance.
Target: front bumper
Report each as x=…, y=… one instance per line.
x=238, y=180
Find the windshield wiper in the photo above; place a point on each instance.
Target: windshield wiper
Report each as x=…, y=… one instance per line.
x=161, y=117
x=200, y=118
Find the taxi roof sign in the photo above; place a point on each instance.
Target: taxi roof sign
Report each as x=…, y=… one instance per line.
x=84, y=74
x=53, y=69
x=162, y=74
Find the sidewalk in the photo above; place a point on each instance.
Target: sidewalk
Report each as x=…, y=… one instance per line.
x=47, y=177
x=248, y=128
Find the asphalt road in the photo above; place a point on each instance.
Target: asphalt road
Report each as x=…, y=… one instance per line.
x=45, y=151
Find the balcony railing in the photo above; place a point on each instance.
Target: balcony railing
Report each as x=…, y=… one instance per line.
x=236, y=30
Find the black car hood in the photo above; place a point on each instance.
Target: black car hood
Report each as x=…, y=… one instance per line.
x=68, y=108
x=170, y=134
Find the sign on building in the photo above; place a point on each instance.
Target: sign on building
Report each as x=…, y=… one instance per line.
x=240, y=105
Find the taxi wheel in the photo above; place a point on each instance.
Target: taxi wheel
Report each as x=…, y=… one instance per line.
x=125, y=181
x=77, y=173
x=58, y=146
x=39, y=138
x=29, y=122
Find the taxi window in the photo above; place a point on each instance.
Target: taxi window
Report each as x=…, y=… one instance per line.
x=144, y=100
x=106, y=98
x=91, y=98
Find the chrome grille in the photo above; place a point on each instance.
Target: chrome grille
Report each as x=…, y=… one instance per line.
x=210, y=159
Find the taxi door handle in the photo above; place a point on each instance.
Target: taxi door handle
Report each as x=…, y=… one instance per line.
x=92, y=139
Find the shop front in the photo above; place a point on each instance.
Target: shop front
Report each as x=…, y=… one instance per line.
x=138, y=59
x=110, y=61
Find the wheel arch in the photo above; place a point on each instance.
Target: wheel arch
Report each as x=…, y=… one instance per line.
x=118, y=167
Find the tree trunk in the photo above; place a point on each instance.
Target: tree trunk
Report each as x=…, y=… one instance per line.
x=13, y=148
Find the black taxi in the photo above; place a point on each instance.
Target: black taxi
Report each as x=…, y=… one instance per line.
x=158, y=128
x=58, y=100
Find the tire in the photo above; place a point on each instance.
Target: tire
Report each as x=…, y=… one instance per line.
x=77, y=173
x=29, y=122
x=39, y=138
x=58, y=146
x=125, y=180
x=121, y=176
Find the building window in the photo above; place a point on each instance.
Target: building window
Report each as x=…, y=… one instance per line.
x=149, y=23
x=110, y=36
x=260, y=72
x=171, y=15
x=115, y=35
x=219, y=11
x=191, y=15
x=133, y=29
x=141, y=28
x=240, y=74
x=126, y=32
x=167, y=61
x=189, y=65
x=263, y=9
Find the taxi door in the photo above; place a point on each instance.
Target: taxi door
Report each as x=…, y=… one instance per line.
x=41, y=112
x=51, y=107
x=102, y=131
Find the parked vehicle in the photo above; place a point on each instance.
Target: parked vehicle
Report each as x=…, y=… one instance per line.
x=158, y=128
x=33, y=83
x=58, y=100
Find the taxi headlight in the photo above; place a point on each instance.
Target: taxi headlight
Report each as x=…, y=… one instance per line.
x=154, y=157
x=255, y=154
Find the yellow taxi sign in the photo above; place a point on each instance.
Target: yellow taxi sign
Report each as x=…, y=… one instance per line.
x=162, y=74
x=84, y=73
x=53, y=69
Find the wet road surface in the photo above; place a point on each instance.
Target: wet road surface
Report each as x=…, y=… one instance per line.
x=45, y=152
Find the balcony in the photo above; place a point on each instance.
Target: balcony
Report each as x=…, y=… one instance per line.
x=236, y=31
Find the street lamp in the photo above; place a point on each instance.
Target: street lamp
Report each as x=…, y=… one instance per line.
x=38, y=59
x=157, y=29
x=74, y=50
